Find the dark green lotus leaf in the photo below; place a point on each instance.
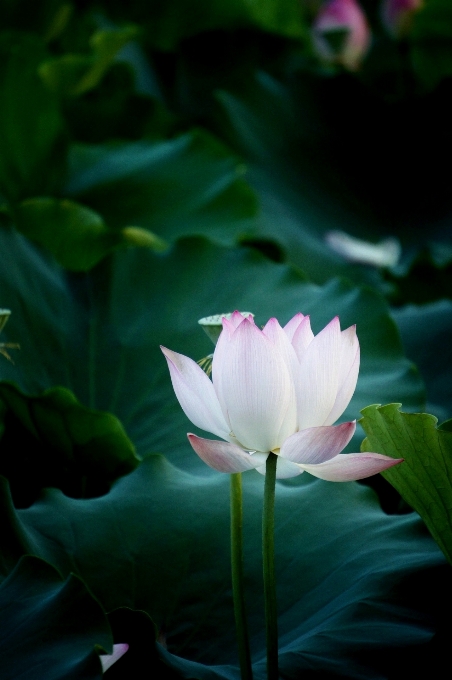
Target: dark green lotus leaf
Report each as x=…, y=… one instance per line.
x=32, y=143
x=99, y=334
x=188, y=185
x=52, y=440
x=348, y=575
x=50, y=627
x=76, y=236
x=424, y=479
x=427, y=337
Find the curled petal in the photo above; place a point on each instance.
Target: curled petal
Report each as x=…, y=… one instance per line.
x=284, y=469
x=317, y=444
x=255, y=386
x=225, y=457
x=196, y=394
x=317, y=385
x=347, y=467
x=108, y=660
x=348, y=374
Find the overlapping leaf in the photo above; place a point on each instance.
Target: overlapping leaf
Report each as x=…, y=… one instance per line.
x=52, y=440
x=424, y=479
x=49, y=626
x=159, y=542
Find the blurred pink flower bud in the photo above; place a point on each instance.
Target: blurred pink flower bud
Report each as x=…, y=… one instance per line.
x=397, y=15
x=341, y=33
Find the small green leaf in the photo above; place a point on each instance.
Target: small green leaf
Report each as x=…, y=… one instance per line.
x=75, y=74
x=61, y=443
x=50, y=627
x=424, y=478
x=76, y=235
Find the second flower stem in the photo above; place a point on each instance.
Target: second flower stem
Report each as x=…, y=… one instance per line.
x=268, y=552
x=238, y=589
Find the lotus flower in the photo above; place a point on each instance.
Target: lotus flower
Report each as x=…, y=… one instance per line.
x=276, y=389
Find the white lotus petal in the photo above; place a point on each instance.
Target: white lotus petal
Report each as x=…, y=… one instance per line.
x=273, y=331
x=225, y=457
x=292, y=325
x=284, y=469
x=348, y=374
x=108, y=660
x=347, y=467
x=317, y=444
x=302, y=337
x=318, y=378
x=256, y=387
x=196, y=394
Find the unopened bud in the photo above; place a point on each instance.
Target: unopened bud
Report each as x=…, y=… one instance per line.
x=341, y=33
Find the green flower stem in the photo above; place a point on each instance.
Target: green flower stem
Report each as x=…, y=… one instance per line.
x=238, y=589
x=268, y=550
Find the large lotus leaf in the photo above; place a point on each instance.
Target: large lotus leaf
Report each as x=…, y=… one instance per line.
x=32, y=151
x=188, y=185
x=50, y=627
x=313, y=172
x=348, y=575
x=99, y=334
x=52, y=440
x=424, y=479
x=427, y=337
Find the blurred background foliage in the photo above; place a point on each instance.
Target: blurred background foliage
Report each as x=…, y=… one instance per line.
x=160, y=162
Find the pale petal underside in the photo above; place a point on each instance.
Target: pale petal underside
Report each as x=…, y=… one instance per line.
x=196, y=394
x=317, y=444
x=347, y=467
x=225, y=457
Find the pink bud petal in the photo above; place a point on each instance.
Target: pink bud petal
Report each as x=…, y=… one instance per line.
x=336, y=15
x=225, y=457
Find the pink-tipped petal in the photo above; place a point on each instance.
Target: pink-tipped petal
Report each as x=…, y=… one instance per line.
x=317, y=444
x=196, y=394
x=256, y=388
x=108, y=660
x=237, y=318
x=302, y=337
x=225, y=457
x=347, y=467
x=348, y=374
x=292, y=325
x=284, y=469
x=317, y=384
